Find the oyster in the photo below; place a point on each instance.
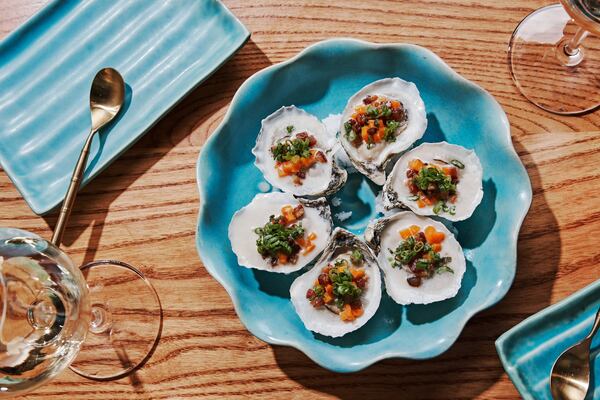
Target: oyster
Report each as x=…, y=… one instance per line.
x=421, y=260
x=436, y=179
x=280, y=233
x=342, y=291
x=294, y=153
x=380, y=121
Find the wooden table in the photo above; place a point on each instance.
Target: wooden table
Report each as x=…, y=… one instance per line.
x=143, y=210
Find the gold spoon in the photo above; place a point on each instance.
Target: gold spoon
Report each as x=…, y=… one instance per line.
x=570, y=377
x=106, y=98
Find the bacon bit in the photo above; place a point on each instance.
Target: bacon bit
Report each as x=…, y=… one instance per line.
x=312, y=236
x=298, y=211
x=320, y=157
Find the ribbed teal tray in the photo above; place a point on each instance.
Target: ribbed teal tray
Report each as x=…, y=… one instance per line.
x=163, y=50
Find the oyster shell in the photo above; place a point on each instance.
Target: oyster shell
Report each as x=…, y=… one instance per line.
x=326, y=320
x=409, y=124
x=469, y=189
x=383, y=235
x=243, y=236
x=284, y=125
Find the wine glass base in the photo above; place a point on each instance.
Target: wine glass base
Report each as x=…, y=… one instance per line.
x=546, y=75
x=126, y=321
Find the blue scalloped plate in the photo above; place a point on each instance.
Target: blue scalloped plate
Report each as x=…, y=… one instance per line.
x=320, y=79
x=528, y=351
x=162, y=49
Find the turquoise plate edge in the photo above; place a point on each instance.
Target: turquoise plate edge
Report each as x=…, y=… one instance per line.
x=41, y=208
x=330, y=361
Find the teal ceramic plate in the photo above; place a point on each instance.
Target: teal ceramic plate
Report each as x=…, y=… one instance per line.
x=528, y=351
x=320, y=79
x=162, y=49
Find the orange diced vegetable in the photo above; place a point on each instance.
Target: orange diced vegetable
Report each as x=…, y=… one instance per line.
x=282, y=258
x=414, y=229
x=395, y=104
x=329, y=289
x=433, y=236
x=301, y=242
x=346, y=314
x=377, y=137
x=415, y=164
x=281, y=172
x=316, y=282
x=357, y=312
x=371, y=123
x=357, y=273
x=405, y=233
x=420, y=203
x=327, y=298
x=309, y=247
x=430, y=201
x=364, y=134
x=312, y=236
x=436, y=247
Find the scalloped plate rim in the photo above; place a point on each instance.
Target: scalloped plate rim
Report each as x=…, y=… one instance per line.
x=361, y=364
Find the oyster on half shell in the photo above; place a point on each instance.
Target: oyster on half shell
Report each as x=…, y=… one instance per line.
x=295, y=154
x=339, y=315
x=445, y=180
x=298, y=250
x=385, y=236
x=381, y=120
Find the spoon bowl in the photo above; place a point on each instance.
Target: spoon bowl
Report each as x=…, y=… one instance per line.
x=570, y=378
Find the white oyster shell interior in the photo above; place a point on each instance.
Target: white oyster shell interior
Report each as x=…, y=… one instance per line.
x=323, y=321
x=371, y=162
x=275, y=129
x=469, y=188
x=440, y=286
x=256, y=214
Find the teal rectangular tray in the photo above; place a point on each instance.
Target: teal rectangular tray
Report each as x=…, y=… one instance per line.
x=528, y=351
x=163, y=49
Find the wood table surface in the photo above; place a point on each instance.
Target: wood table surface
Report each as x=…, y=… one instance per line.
x=143, y=210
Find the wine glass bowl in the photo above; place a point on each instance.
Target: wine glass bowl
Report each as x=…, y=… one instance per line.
x=554, y=57
x=103, y=319
x=45, y=313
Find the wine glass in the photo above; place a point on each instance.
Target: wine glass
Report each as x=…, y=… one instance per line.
x=102, y=320
x=554, y=57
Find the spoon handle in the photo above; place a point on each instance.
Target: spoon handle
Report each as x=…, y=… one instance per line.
x=76, y=179
x=595, y=326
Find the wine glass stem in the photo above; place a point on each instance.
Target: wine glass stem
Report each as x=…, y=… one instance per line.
x=101, y=319
x=572, y=46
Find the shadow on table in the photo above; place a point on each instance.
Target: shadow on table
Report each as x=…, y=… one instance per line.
x=94, y=201
x=471, y=366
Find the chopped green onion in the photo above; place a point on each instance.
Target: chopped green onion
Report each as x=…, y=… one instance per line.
x=289, y=128
x=413, y=197
x=457, y=164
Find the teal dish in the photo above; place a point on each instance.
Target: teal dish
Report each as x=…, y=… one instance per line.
x=162, y=49
x=320, y=79
x=528, y=351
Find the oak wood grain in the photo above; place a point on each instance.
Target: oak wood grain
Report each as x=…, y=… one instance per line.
x=143, y=210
